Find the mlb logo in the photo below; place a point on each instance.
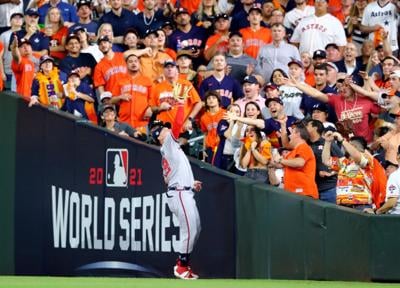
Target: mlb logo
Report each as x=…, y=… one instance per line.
x=117, y=167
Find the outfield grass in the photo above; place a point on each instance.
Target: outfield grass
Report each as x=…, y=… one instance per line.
x=100, y=282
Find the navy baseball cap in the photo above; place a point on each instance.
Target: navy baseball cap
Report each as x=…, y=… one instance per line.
x=270, y=86
x=150, y=32
x=250, y=79
x=319, y=54
x=297, y=62
x=24, y=41
x=16, y=14
x=169, y=63
x=70, y=37
x=156, y=127
x=235, y=33
x=32, y=12
x=388, y=163
x=333, y=45
x=103, y=38
x=181, y=10
x=108, y=107
x=320, y=107
x=273, y=99
x=221, y=15
x=79, y=28
x=81, y=3
x=73, y=72
x=255, y=7
x=45, y=58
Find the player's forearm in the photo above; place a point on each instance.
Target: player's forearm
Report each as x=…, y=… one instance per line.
x=179, y=120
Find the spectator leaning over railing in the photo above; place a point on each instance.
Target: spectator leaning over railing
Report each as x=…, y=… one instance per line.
x=354, y=171
x=299, y=164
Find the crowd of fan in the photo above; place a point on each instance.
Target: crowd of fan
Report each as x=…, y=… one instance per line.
x=302, y=95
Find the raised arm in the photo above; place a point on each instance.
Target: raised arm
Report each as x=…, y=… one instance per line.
x=307, y=89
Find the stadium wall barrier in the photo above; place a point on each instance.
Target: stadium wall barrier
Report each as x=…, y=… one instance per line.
x=74, y=213
x=66, y=210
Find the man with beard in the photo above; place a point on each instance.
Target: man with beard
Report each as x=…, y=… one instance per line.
x=110, y=69
x=188, y=37
x=84, y=63
x=228, y=88
x=134, y=95
x=150, y=18
x=293, y=17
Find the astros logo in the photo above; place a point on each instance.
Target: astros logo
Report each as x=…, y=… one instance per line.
x=117, y=167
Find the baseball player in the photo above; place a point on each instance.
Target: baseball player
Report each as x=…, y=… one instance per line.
x=178, y=176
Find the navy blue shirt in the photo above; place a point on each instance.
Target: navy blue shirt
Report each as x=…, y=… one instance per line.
x=83, y=60
x=68, y=12
x=78, y=104
x=308, y=102
x=153, y=24
x=91, y=27
x=229, y=89
x=120, y=23
x=272, y=129
x=39, y=40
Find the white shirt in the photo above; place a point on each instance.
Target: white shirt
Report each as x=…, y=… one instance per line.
x=315, y=33
x=176, y=167
x=386, y=16
x=6, y=10
x=393, y=190
x=7, y=57
x=293, y=17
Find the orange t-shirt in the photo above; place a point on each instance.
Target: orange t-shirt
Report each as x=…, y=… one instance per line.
x=333, y=5
x=190, y=5
x=301, y=180
x=24, y=73
x=209, y=123
x=108, y=72
x=140, y=5
x=310, y=78
x=254, y=40
x=58, y=40
x=139, y=88
x=152, y=67
x=162, y=92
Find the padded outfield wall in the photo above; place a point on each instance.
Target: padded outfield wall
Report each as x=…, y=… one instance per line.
x=65, y=211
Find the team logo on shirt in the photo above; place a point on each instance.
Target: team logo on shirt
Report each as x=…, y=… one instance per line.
x=117, y=167
x=391, y=189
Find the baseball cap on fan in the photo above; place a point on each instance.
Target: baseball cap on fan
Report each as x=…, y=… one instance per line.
x=319, y=54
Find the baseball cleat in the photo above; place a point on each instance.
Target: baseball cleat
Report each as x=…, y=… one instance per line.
x=185, y=273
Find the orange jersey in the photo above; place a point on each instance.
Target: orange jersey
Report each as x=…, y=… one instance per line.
x=57, y=39
x=152, y=67
x=222, y=47
x=24, y=73
x=354, y=183
x=140, y=4
x=301, y=180
x=208, y=124
x=108, y=72
x=162, y=92
x=333, y=5
x=190, y=5
x=254, y=40
x=139, y=88
x=310, y=78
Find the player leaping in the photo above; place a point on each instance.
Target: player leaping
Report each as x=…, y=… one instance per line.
x=179, y=178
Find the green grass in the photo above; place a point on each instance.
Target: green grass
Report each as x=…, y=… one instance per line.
x=99, y=282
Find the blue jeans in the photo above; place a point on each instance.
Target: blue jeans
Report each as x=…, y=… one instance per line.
x=258, y=174
x=328, y=195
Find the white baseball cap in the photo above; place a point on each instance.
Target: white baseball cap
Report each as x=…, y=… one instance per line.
x=395, y=73
x=105, y=95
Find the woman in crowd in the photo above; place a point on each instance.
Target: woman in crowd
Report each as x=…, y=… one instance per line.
x=57, y=32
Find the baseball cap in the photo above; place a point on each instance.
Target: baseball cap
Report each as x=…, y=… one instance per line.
x=155, y=128
x=79, y=28
x=319, y=54
x=181, y=10
x=16, y=14
x=270, y=86
x=131, y=30
x=24, y=41
x=32, y=12
x=45, y=58
x=103, y=38
x=392, y=58
x=169, y=63
x=221, y=15
x=273, y=99
x=388, y=163
x=81, y=3
x=183, y=53
x=250, y=79
x=297, y=62
x=71, y=36
x=320, y=107
x=333, y=45
x=395, y=73
x=235, y=33
x=150, y=32
x=166, y=24
x=105, y=95
x=73, y=72
x=256, y=7
x=108, y=107
x=332, y=65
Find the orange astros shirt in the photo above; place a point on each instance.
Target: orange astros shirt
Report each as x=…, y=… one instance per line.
x=24, y=73
x=254, y=40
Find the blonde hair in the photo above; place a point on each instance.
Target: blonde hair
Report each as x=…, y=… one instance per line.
x=47, y=19
x=101, y=28
x=200, y=10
